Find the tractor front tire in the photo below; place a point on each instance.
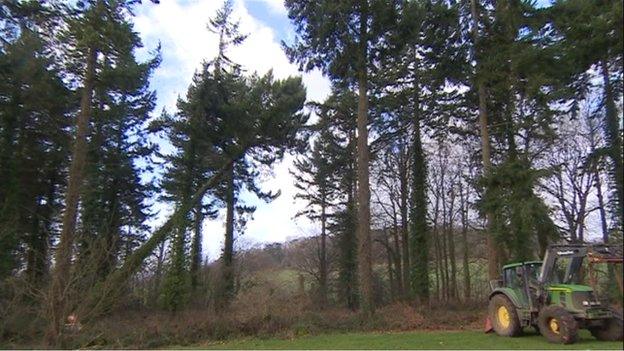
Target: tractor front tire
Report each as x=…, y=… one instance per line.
x=557, y=325
x=611, y=330
x=504, y=316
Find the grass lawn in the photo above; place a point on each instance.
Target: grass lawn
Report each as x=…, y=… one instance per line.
x=413, y=340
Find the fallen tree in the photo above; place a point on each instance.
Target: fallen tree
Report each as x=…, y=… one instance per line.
x=102, y=296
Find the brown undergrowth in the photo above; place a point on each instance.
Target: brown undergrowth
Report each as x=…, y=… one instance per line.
x=262, y=311
x=296, y=317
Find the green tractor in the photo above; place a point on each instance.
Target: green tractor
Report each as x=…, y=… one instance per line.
x=549, y=296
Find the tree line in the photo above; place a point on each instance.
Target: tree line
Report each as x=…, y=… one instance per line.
x=449, y=117
x=455, y=131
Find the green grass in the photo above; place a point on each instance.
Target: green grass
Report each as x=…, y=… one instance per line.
x=412, y=340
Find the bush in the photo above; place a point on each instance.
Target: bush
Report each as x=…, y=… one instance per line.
x=263, y=308
x=20, y=309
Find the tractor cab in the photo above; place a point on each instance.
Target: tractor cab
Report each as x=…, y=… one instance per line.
x=514, y=274
x=518, y=279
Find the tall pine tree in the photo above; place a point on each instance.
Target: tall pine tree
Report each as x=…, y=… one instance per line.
x=342, y=38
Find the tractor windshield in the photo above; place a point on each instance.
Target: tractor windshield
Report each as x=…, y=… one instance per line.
x=567, y=270
x=563, y=265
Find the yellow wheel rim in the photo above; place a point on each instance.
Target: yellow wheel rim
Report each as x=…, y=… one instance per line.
x=503, y=317
x=554, y=325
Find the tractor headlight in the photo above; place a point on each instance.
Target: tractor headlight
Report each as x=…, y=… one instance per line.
x=585, y=303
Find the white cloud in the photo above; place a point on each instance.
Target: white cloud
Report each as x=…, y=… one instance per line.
x=180, y=26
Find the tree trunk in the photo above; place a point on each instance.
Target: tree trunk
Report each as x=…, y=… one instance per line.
x=64, y=252
x=37, y=245
x=347, y=274
x=103, y=296
x=419, y=246
x=581, y=222
x=45, y=227
x=397, y=261
x=196, y=247
x=439, y=269
x=492, y=247
x=111, y=236
x=42, y=226
x=227, y=278
x=176, y=283
x=323, y=256
x=598, y=184
x=451, y=241
x=601, y=207
x=463, y=197
x=365, y=267
x=406, y=286
x=160, y=259
x=614, y=140
x=438, y=253
x=445, y=260
x=391, y=272
x=443, y=230
x=397, y=250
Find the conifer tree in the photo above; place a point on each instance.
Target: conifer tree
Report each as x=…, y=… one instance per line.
x=188, y=167
x=34, y=109
x=232, y=120
x=519, y=96
x=342, y=38
x=114, y=209
x=268, y=104
x=95, y=29
x=478, y=84
x=315, y=175
x=337, y=119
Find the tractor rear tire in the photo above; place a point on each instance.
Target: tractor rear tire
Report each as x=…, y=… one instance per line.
x=504, y=316
x=557, y=325
x=610, y=331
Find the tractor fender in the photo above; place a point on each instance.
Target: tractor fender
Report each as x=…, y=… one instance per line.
x=509, y=293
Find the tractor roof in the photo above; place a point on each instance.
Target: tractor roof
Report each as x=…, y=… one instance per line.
x=518, y=264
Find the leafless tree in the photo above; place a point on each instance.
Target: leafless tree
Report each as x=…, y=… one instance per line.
x=575, y=186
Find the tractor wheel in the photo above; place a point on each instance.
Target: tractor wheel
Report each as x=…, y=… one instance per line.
x=611, y=330
x=557, y=325
x=504, y=316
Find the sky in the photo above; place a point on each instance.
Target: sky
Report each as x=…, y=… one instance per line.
x=180, y=28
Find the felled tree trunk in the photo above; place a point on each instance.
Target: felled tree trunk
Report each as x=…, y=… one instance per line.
x=63, y=257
